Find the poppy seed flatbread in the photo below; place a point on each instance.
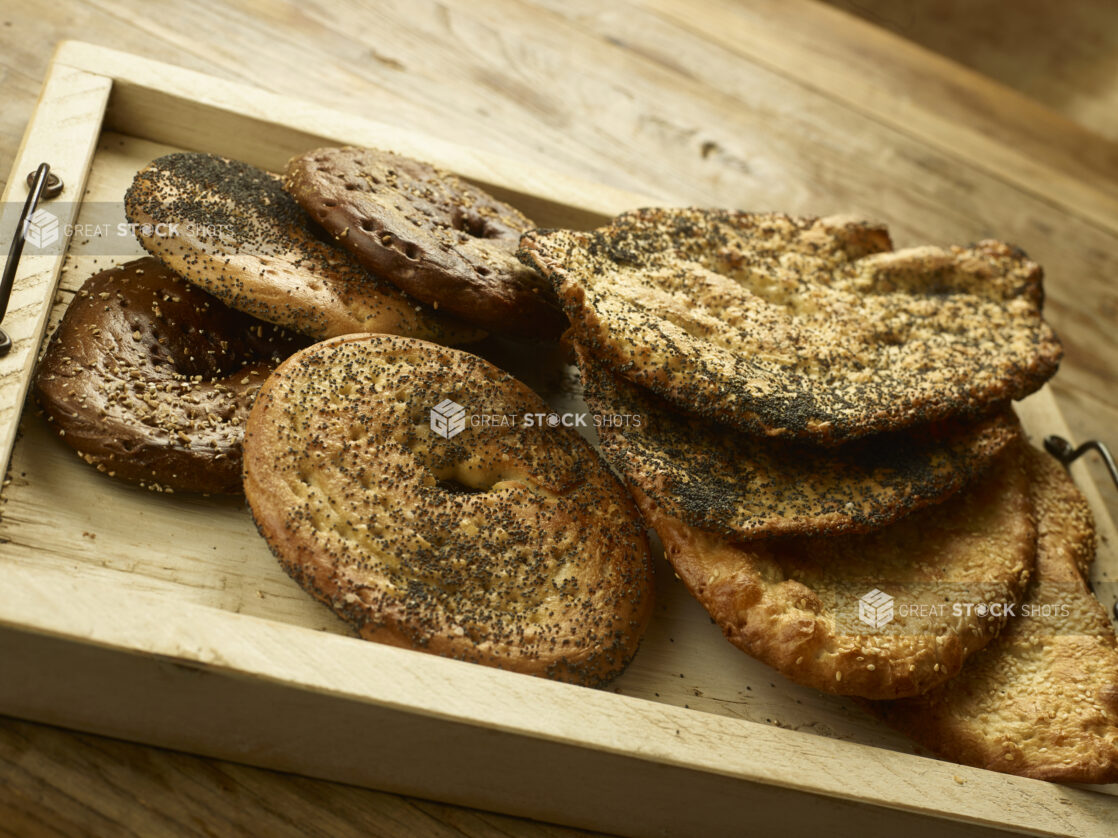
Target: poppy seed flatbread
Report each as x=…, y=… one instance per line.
x=717, y=478
x=796, y=603
x=801, y=327
x=442, y=240
x=1042, y=699
x=230, y=229
x=509, y=546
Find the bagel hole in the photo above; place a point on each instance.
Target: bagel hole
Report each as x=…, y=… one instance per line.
x=458, y=488
x=482, y=270
x=462, y=479
x=411, y=250
x=368, y=225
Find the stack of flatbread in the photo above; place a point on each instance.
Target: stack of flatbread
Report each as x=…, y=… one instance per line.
x=819, y=428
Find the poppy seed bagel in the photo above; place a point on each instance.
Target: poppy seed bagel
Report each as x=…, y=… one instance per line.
x=230, y=229
x=494, y=543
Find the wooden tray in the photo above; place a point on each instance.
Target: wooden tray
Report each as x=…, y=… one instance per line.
x=164, y=618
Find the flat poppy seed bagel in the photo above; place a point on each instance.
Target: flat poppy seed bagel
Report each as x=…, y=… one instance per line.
x=495, y=543
x=230, y=229
x=803, y=328
x=814, y=608
x=1040, y=701
x=150, y=379
x=717, y=478
x=439, y=238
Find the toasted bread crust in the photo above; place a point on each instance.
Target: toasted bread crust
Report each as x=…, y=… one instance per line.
x=801, y=327
x=507, y=546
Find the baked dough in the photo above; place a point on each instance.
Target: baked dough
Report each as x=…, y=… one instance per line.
x=442, y=240
x=150, y=379
x=717, y=478
x=500, y=544
x=230, y=229
x=1042, y=699
x=801, y=327
x=794, y=603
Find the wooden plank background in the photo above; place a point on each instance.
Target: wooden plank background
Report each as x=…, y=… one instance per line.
x=1064, y=55
x=775, y=105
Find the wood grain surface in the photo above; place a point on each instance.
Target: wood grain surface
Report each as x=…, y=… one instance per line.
x=761, y=105
x=58, y=783
x=1064, y=55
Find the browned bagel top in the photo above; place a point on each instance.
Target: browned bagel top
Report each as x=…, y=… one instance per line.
x=442, y=240
x=501, y=544
x=151, y=379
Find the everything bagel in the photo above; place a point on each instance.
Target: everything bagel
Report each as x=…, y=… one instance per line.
x=150, y=379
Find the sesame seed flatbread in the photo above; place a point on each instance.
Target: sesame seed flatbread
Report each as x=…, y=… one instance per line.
x=797, y=603
x=800, y=327
x=1042, y=699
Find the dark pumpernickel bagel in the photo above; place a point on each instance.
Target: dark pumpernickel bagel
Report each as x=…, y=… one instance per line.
x=442, y=240
x=230, y=229
x=495, y=543
x=150, y=379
